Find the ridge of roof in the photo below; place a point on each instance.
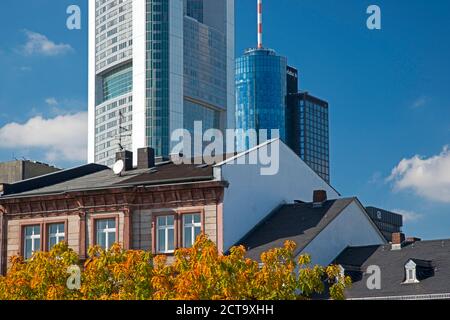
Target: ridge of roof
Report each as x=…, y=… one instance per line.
x=305, y=222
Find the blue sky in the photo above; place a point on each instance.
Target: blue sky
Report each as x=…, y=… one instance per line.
x=388, y=91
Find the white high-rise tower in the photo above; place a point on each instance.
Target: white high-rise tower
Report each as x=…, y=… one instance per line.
x=156, y=66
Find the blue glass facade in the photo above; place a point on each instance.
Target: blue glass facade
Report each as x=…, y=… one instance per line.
x=117, y=82
x=156, y=66
x=157, y=74
x=194, y=9
x=308, y=131
x=260, y=93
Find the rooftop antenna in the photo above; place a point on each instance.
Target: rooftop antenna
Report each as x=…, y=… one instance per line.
x=260, y=25
x=122, y=129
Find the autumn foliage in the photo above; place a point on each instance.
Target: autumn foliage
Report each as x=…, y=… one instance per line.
x=197, y=273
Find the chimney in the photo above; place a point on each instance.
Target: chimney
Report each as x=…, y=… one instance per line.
x=319, y=196
x=127, y=157
x=413, y=240
x=146, y=158
x=398, y=239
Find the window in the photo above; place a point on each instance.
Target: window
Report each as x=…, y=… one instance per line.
x=176, y=229
x=165, y=234
x=410, y=275
x=32, y=240
x=410, y=269
x=117, y=82
x=56, y=234
x=105, y=232
x=192, y=228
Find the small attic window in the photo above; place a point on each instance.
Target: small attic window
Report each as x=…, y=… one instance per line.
x=418, y=270
x=410, y=269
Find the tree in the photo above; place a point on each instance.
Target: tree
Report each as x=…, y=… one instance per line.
x=197, y=273
x=44, y=277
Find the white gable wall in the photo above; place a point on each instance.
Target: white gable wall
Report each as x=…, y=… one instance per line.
x=351, y=228
x=251, y=196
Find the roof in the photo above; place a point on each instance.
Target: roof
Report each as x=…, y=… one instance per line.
x=300, y=222
x=429, y=254
x=94, y=176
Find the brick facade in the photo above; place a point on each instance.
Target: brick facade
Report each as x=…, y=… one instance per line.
x=134, y=210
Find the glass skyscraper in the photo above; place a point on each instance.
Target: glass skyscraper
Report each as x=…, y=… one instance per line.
x=260, y=93
x=308, y=131
x=156, y=66
x=267, y=98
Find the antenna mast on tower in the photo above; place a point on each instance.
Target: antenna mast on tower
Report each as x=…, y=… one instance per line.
x=260, y=25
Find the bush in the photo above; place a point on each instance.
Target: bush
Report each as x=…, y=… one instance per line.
x=197, y=273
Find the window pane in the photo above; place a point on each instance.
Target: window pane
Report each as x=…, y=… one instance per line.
x=170, y=220
x=28, y=251
x=161, y=241
x=198, y=230
x=52, y=242
x=101, y=224
x=53, y=228
x=29, y=231
x=56, y=234
x=197, y=218
x=101, y=239
x=188, y=237
x=171, y=240
x=111, y=223
x=37, y=245
x=112, y=239
x=106, y=232
x=161, y=221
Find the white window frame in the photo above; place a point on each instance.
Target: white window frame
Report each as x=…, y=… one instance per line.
x=33, y=237
x=410, y=269
x=58, y=235
x=106, y=231
x=166, y=228
x=192, y=225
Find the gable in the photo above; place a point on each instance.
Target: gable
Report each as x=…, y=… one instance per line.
x=352, y=227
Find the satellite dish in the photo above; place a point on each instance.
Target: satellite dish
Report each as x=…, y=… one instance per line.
x=118, y=167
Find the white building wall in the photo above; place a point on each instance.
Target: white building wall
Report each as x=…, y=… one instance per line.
x=351, y=228
x=139, y=76
x=91, y=83
x=251, y=196
x=110, y=47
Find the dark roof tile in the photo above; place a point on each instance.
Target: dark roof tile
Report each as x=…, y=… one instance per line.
x=434, y=254
x=300, y=222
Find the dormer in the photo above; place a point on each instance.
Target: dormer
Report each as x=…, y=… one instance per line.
x=417, y=270
x=354, y=272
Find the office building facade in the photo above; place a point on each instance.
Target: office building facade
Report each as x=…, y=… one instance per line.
x=19, y=170
x=308, y=131
x=156, y=66
x=260, y=94
x=388, y=222
x=267, y=97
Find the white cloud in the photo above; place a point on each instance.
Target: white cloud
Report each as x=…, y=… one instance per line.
x=25, y=69
x=62, y=138
x=427, y=177
x=408, y=216
x=51, y=101
x=39, y=44
x=420, y=102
